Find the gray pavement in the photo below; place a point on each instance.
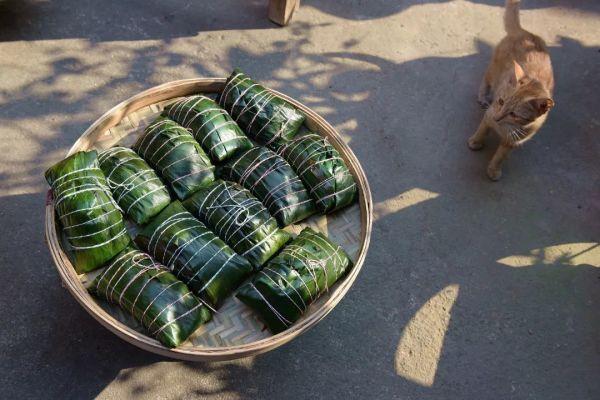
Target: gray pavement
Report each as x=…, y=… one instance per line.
x=471, y=289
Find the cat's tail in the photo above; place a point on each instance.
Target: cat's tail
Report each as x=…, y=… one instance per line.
x=512, y=23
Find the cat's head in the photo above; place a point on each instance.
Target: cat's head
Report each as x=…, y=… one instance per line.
x=520, y=103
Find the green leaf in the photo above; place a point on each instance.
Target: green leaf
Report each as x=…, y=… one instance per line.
x=89, y=217
x=264, y=117
x=296, y=277
x=135, y=186
x=210, y=268
x=273, y=181
x=177, y=158
x=239, y=219
x=152, y=295
x=212, y=127
x=322, y=171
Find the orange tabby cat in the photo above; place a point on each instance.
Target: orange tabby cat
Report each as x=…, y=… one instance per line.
x=516, y=91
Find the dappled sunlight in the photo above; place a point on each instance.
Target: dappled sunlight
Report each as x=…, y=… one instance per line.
x=210, y=383
x=401, y=201
x=420, y=346
x=399, y=84
x=569, y=254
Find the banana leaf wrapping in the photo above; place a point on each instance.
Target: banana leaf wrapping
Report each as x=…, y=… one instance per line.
x=135, y=186
x=266, y=118
x=297, y=276
x=210, y=268
x=90, y=219
x=152, y=295
x=212, y=127
x=239, y=219
x=273, y=181
x=322, y=170
x=172, y=151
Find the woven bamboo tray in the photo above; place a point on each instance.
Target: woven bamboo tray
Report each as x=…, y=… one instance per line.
x=235, y=331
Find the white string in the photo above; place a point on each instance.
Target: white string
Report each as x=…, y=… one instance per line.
x=280, y=287
x=123, y=232
x=273, y=309
x=254, y=98
x=264, y=271
x=266, y=100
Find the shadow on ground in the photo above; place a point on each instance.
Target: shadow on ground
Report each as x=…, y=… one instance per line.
x=126, y=20
x=146, y=20
x=510, y=330
x=373, y=9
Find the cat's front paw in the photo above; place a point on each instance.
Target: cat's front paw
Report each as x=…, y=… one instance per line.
x=474, y=144
x=494, y=173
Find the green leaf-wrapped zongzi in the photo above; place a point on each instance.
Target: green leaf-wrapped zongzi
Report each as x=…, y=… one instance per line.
x=273, y=181
x=172, y=151
x=210, y=268
x=297, y=276
x=90, y=219
x=239, y=219
x=135, y=186
x=265, y=117
x=212, y=127
x=322, y=171
x=148, y=291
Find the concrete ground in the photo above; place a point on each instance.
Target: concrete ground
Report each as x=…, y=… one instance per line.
x=471, y=289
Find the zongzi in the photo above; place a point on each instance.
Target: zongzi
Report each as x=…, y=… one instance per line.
x=210, y=268
x=296, y=277
x=264, y=116
x=90, y=219
x=148, y=291
x=273, y=181
x=172, y=151
x=211, y=126
x=239, y=219
x=322, y=170
x=135, y=186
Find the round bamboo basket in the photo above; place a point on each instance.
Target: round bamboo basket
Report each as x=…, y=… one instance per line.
x=235, y=331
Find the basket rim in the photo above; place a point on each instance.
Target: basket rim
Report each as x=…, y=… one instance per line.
x=70, y=278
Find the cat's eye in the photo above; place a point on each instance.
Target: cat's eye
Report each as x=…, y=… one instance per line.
x=501, y=102
x=512, y=114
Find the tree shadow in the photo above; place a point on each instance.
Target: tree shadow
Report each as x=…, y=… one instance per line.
x=126, y=20
x=408, y=123
x=375, y=9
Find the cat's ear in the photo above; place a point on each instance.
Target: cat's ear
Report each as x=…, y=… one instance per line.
x=541, y=106
x=517, y=74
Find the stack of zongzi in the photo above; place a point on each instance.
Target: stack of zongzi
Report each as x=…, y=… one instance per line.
x=198, y=251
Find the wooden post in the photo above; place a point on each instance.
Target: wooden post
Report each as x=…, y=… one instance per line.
x=280, y=11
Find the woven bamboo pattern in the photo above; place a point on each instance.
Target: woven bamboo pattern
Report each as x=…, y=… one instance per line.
x=235, y=331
